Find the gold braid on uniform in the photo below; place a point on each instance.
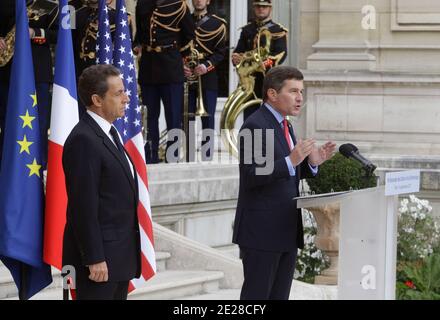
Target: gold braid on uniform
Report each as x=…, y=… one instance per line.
x=283, y=33
x=204, y=36
x=279, y=35
x=180, y=13
x=92, y=32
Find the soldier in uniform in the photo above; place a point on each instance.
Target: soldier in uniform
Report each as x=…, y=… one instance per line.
x=210, y=42
x=164, y=30
x=248, y=41
x=85, y=34
x=43, y=25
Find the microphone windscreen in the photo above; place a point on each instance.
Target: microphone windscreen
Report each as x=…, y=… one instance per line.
x=347, y=149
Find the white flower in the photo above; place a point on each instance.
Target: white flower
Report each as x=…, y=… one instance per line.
x=408, y=230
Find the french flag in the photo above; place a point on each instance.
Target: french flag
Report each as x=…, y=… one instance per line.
x=64, y=117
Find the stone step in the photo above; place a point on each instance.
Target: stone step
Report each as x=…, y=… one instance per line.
x=231, y=250
x=161, y=260
x=299, y=291
x=4, y=271
x=165, y=285
x=9, y=290
x=225, y=294
x=173, y=284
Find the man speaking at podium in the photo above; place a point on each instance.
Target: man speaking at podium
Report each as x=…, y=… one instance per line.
x=101, y=237
x=268, y=226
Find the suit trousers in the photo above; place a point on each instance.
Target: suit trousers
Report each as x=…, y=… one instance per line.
x=87, y=289
x=172, y=97
x=267, y=275
x=44, y=109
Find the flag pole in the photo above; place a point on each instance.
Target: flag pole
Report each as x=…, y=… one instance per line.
x=65, y=294
x=23, y=282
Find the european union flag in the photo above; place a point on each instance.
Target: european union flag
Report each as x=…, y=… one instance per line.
x=21, y=176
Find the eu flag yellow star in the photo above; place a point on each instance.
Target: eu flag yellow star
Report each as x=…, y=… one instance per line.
x=24, y=144
x=34, y=168
x=34, y=98
x=27, y=119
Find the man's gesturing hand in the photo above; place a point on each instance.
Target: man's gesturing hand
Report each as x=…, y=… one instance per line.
x=322, y=154
x=301, y=151
x=98, y=272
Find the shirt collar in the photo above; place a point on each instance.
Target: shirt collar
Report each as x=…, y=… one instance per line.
x=200, y=16
x=261, y=23
x=102, y=123
x=275, y=113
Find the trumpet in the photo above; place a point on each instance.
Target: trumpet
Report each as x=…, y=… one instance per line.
x=193, y=62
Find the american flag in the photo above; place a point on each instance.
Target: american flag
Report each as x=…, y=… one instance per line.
x=104, y=45
x=130, y=128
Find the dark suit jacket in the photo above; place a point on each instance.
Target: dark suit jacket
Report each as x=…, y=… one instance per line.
x=267, y=218
x=102, y=195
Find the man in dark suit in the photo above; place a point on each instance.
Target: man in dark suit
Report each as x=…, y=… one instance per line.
x=101, y=237
x=164, y=29
x=249, y=41
x=268, y=225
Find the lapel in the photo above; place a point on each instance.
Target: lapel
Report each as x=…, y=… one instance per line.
x=279, y=134
x=135, y=176
x=112, y=148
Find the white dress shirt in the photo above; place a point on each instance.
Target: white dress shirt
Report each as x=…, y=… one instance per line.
x=106, y=126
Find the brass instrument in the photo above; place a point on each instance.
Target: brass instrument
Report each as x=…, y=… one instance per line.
x=193, y=60
x=34, y=11
x=7, y=54
x=244, y=97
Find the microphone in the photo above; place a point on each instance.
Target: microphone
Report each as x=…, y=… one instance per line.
x=349, y=150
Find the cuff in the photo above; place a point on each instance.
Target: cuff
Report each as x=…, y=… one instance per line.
x=290, y=166
x=209, y=66
x=314, y=169
x=39, y=36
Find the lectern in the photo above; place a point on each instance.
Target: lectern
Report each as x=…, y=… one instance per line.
x=367, y=242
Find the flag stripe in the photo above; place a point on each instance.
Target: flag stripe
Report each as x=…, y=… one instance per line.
x=139, y=162
x=147, y=269
x=64, y=115
x=56, y=200
x=145, y=222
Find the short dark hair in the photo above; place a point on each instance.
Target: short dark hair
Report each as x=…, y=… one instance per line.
x=93, y=80
x=276, y=76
